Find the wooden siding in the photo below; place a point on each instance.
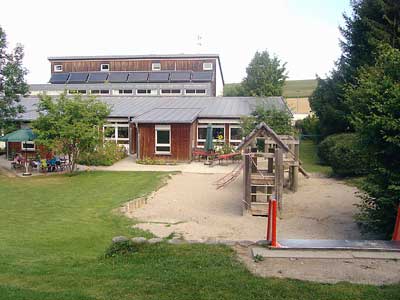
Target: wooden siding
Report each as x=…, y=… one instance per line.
x=133, y=65
x=181, y=141
x=15, y=147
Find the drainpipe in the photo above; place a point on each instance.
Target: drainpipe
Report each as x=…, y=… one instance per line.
x=137, y=141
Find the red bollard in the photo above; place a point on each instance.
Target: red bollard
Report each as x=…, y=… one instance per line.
x=274, y=242
x=396, y=233
x=269, y=220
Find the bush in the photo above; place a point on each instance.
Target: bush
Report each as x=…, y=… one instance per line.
x=105, y=155
x=309, y=128
x=343, y=152
x=120, y=248
x=153, y=161
x=226, y=149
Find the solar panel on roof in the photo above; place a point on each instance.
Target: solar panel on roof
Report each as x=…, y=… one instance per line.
x=202, y=76
x=179, y=77
x=158, y=76
x=118, y=76
x=78, y=77
x=138, y=77
x=97, y=77
x=59, y=78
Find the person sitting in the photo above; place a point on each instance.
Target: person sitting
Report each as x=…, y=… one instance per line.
x=17, y=161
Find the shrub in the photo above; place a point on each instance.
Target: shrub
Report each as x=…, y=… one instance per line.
x=226, y=149
x=105, y=155
x=309, y=128
x=343, y=152
x=153, y=161
x=120, y=248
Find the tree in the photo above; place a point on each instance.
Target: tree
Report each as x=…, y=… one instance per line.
x=70, y=125
x=329, y=105
x=279, y=121
x=234, y=90
x=372, y=22
x=375, y=113
x=266, y=75
x=12, y=81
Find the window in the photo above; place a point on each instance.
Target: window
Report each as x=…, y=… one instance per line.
x=195, y=92
x=146, y=92
x=74, y=92
x=117, y=132
x=170, y=92
x=156, y=67
x=105, y=67
x=163, y=139
x=28, y=146
x=235, y=134
x=58, y=68
x=218, y=132
x=102, y=92
x=207, y=66
x=125, y=92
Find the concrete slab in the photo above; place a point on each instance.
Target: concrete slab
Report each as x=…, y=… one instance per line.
x=324, y=254
x=358, y=245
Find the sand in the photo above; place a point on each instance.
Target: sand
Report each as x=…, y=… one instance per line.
x=190, y=206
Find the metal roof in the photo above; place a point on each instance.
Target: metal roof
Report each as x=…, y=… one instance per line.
x=205, y=107
x=148, y=56
x=168, y=115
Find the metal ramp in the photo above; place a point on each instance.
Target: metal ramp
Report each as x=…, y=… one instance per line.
x=358, y=245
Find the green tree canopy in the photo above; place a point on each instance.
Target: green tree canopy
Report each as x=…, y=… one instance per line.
x=266, y=75
x=70, y=125
x=371, y=23
x=279, y=121
x=12, y=81
x=375, y=113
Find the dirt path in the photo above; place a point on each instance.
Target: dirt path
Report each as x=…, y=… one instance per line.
x=191, y=206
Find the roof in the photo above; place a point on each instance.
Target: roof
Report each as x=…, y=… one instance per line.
x=206, y=107
x=168, y=115
x=131, y=77
x=262, y=129
x=147, y=56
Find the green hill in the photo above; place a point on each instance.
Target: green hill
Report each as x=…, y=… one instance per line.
x=299, y=88
x=292, y=88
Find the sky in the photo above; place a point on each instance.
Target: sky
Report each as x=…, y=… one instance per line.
x=303, y=33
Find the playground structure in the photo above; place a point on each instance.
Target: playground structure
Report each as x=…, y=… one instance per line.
x=267, y=158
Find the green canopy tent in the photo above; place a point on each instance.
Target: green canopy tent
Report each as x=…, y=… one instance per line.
x=22, y=135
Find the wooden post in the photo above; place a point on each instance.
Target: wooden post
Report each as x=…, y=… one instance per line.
x=295, y=172
x=247, y=181
x=396, y=233
x=279, y=177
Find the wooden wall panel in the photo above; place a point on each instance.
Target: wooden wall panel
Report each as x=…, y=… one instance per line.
x=132, y=138
x=133, y=65
x=181, y=141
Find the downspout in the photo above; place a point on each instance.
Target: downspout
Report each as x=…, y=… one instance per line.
x=137, y=141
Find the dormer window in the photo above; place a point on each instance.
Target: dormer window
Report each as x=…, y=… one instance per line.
x=156, y=66
x=105, y=67
x=207, y=66
x=58, y=68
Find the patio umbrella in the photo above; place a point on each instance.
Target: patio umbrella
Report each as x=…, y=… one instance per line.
x=21, y=135
x=209, y=145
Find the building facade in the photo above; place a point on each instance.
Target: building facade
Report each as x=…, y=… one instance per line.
x=139, y=75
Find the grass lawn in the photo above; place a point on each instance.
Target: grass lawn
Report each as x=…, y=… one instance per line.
x=310, y=160
x=54, y=230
